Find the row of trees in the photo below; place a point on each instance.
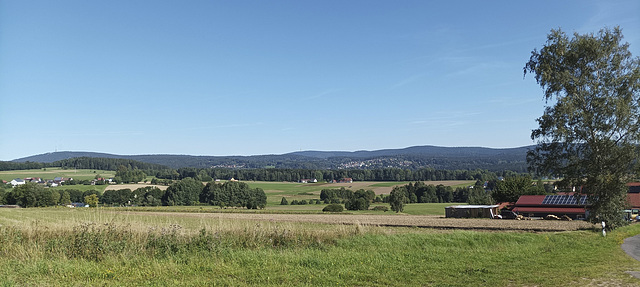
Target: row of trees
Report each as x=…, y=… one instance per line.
x=419, y=192
x=35, y=195
x=506, y=190
x=386, y=174
x=87, y=163
x=284, y=201
x=185, y=192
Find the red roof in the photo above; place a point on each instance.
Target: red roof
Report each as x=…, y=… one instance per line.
x=550, y=210
x=633, y=184
x=530, y=200
x=634, y=199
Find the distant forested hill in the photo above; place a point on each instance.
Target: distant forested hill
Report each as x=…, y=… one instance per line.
x=407, y=158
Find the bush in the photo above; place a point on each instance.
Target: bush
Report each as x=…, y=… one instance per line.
x=380, y=208
x=357, y=204
x=333, y=208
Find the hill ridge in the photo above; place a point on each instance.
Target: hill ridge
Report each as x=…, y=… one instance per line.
x=412, y=157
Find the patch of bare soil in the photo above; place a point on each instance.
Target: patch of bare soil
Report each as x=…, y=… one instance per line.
x=395, y=220
x=133, y=186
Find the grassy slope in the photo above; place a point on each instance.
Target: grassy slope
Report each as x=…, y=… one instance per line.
x=360, y=256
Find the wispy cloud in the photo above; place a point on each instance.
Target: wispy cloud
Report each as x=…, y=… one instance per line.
x=323, y=94
x=407, y=81
x=227, y=126
x=478, y=68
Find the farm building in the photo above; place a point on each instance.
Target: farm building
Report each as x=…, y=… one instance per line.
x=471, y=211
x=633, y=195
x=558, y=205
x=566, y=204
x=17, y=181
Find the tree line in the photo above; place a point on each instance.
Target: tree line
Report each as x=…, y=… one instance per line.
x=292, y=175
x=86, y=163
x=184, y=192
x=508, y=189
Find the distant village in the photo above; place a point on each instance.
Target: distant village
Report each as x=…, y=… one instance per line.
x=57, y=181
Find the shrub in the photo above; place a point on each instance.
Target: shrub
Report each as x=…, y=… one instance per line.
x=380, y=208
x=333, y=208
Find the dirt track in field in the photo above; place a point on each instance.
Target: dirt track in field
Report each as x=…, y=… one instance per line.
x=393, y=220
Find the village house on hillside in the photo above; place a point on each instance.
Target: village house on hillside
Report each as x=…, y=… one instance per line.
x=17, y=181
x=38, y=180
x=306, y=180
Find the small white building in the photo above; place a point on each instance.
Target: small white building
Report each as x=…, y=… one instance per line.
x=17, y=181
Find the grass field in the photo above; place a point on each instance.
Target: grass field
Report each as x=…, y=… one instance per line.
x=81, y=187
x=56, y=247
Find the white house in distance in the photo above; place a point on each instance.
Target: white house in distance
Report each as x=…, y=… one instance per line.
x=17, y=181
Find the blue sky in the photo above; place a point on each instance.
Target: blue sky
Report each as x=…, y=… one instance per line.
x=271, y=77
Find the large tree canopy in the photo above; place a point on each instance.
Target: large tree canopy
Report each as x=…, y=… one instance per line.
x=589, y=132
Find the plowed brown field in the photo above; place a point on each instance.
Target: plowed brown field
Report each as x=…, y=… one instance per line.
x=393, y=220
x=133, y=186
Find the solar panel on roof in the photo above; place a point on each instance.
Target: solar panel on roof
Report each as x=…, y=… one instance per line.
x=563, y=200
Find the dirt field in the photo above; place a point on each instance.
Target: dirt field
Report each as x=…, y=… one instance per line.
x=133, y=186
x=392, y=220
